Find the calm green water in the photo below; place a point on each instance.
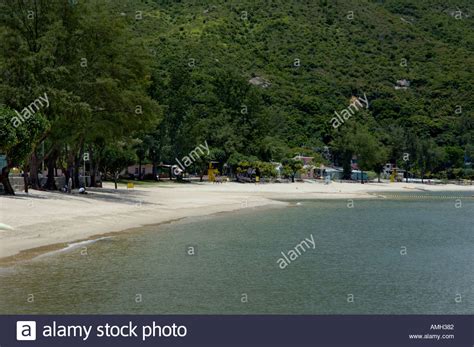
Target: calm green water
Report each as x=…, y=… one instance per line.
x=358, y=252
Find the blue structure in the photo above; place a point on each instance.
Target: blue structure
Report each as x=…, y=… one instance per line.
x=357, y=175
x=3, y=161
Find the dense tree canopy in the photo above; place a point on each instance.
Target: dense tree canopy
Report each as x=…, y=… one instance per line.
x=258, y=83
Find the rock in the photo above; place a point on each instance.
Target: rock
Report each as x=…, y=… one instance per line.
x=402, y=84
x=260, y=82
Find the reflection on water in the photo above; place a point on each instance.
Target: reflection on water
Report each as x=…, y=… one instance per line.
x=359, y=253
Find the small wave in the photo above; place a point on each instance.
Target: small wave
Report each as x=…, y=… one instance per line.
x=4, y=271
x=73, y=245
x=5, y=227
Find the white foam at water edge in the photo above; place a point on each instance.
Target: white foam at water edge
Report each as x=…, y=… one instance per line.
x=5, y=227
x=72, y=246
x=6, y=270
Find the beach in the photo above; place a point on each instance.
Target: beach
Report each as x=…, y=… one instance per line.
x=41, y=221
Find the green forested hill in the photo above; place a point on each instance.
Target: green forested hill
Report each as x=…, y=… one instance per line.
x=340, y=54
x=149, y=80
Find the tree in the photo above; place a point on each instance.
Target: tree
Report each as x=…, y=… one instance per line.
x=343, y=150
x=238, y=93
x=90, y=64
x=428, y=156
x=141, y=151
x=266, y=169
x=201, y=164
x=358, y=141
x=369, y=152
x=380, y=159
x=116, y=158
x=469, y=154
x=17, y=142
x=291, y=167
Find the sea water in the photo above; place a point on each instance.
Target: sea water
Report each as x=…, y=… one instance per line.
x=407, y=254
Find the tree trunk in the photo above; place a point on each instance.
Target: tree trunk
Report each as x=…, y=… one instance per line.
x=93, y=182
x=69, y=164
x=7, y=187
x=69, y=173
x=51, y=163
x=66, y=176
x=346, y=165
x=115, y=179
x=93, y=173
x=406, y=173
x=33, y=165
x=154, y=170
x=361, y=176
x=95, y=164
x=25, y=179
x=139, y=169
x=77, y=166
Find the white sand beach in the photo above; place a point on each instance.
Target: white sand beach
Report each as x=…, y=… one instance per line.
x=37, y=220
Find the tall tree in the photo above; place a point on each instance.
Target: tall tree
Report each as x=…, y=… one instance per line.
x=91, y=65
x=17, y=141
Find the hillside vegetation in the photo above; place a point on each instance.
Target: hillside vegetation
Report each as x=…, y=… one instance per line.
x=316, y=55
x=258, y=81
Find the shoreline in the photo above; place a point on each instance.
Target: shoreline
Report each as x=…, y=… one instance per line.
x=43, y=251
x=44, y=222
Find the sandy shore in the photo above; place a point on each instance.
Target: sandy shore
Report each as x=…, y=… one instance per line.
x=38, y=220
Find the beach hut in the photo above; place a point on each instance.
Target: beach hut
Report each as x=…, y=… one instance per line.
x=358, y=175
x=333, y=173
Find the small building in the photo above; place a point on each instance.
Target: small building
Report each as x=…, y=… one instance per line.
x=133, y=170
x=357, y=175
x=337, y=173
x=334, y=173
x=305, y=160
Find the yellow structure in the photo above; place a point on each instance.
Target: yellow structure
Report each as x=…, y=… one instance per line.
x=393, y=175
x=211, y=173
x=130, y=185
